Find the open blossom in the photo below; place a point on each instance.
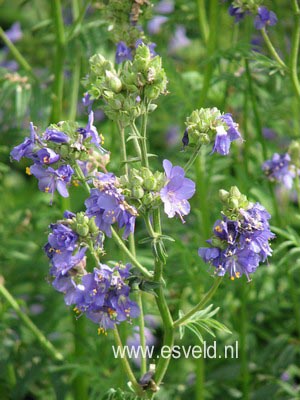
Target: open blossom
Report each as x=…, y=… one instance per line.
x=103, y=296
x=108, y=206
x=280, y=169
x=226, y=135
x=237, y=12
x=51, y=179
x=238, y=246
x=25, y=149
x=176, y=191
x=264, y=18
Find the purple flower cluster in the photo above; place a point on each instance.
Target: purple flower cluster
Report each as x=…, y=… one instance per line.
x=239, y=245
x=263, y=18
x=102, y=295
x=107, y=204
x=65, y=254
x=177, y=191
x=280, y=169
x=45, y=150
x=163, y=7
x=226, y=135
x=123, y=52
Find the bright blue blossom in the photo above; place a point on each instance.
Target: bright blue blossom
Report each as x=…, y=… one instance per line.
x=123, y=52
x=47, y=156
x=280, y=169
x=55, y=136
x=25, y=149
x=103, y=296
x=176, y=191
x=225, y=135
x=51, y=179
x=107, y=204
x=264, y=18
x=239, y=245
x=237, y=12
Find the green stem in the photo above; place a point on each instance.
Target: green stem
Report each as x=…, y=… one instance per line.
x=56, y=113
x=125, y=363
x=16, y=54
x=136, y=138
x=211, y=47
x=243, y=344
x=163, y=308
x=272, y=49
x=131, y=257
x=123, y=148
x=260, y=134
x=29, y=324
x=295, y=50
x=75, y=29
x=142, y=332
x=80, y=382
x=144, y=152
x=76, y=68
x=193, y=158
x=295, y=301
x=202, y=19
x=206, y=298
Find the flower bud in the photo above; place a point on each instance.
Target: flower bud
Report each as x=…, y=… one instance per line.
x=224, y=195
x=82, y=230
x=137, y=192
x=150, y=183
x=113, y=81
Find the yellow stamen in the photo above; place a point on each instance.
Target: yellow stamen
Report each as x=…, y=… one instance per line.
x=75, y=183
x=27, y=170
x=47, y=189
x=218, y=228
x=232, y=278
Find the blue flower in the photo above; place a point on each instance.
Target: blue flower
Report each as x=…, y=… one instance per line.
x=264, y=18
x=103, y=296
x=176, y=191
x=225, y=135
x=237, y=12
x=238, y=246
x=55, y=136
x=51, y=179
x=47, y=156
x=25, y=149
x=280, y=169
x=123, y=53
x=108, y=206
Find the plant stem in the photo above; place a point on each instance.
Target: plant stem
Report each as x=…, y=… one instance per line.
x=206, y=298
x=260, y=134
x=76, y=67
x=243, y=344
x=211, y=47
x=131, y=257
x=295, y=301
x=142, y=332
x=272, y=49
x=123, y=148
x=79, y=18
x=58, y=85
x=193, y=158
x=44, y=342
x=295, y=50
x=202, y=20
x=125, y=363
x=17, y=55
x=144, y=152
x=80, y=382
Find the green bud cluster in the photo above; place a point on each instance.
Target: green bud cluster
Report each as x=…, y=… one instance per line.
x=201, y=125
x=233, y=201
x=294, y=152
x=123, y=17
x=84, y=226
x=143, y=186
x=127, y=94
x=247, y=5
